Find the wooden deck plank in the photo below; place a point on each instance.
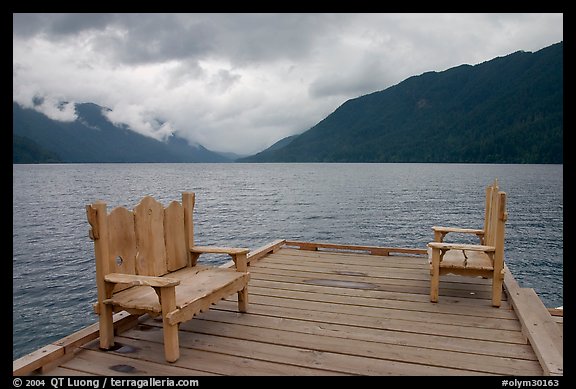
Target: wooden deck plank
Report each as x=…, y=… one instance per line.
x=390, y=352
x=450, y=282
x=384, y=264
x=94, y=361
x=448, y=330
x=420, y=273
x=297, y=356
x=290, y=284
x=349, y=258
x=381, y=282
x=454, y=290
x=381, y=312
x=65, y=372
x=407, y=269
x=325, y=275
x=373, y=334
x=377, y=272
x=369, y=301
x=479, y=296
x=401, y=292
x=209, y=362
x=428, y=317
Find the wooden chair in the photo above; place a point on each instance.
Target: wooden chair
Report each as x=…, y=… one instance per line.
x=484, y=260
x=146, y=263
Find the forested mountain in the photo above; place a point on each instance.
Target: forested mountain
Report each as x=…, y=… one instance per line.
x=506, y=110
x=27, y=151
x=93, y=138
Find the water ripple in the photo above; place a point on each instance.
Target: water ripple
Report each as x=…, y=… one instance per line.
x=249, y=205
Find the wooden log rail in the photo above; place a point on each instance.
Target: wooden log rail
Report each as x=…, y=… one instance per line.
x=259, y=253
x=64, y=348
x=538, y=326
x=372, y=250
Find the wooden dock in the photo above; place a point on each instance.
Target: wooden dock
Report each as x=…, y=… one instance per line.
x=325, y=309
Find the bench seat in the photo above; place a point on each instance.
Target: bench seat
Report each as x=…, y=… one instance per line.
x=197, y=285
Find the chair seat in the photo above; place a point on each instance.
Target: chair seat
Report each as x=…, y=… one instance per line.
x=197, y=283
x=454, y=259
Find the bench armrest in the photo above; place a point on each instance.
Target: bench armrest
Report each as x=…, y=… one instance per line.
x=218, y=250
x=134, y=280
x=239, y=255
x=460, y=246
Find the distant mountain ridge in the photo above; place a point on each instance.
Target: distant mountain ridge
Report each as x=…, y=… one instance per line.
x=506, y=110
x=93, y=138
x=25, y=150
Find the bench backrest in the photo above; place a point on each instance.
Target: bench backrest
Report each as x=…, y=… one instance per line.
x=149, y=240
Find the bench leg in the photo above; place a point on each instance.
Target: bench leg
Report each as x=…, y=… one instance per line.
x=243, y=300
x=241, y=262
x=106, y=326
x=171, y=344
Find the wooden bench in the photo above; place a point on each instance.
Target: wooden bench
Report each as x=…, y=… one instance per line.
x=146, y=262
x=483, y=260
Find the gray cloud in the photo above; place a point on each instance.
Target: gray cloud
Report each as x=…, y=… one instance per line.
x=240, y=82
x=142, y=38
x=353, y=78
x=145, y=38
x=58, y=25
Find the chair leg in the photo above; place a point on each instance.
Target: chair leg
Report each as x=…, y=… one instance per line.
x=243, y=300
x=497, y=290
x=106, y=327
x=434, y=287
x=435, y=276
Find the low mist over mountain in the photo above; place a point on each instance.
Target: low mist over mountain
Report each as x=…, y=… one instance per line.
x=507, y=110
x=93, y=138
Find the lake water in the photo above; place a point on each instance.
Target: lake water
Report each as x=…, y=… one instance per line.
x=249, y=205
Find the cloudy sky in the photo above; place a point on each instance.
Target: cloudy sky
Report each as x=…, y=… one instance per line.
x=240, y=82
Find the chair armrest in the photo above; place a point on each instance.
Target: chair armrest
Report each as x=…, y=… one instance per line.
x=134, y=280
x=459, y=230
x=218, y=250
x=441, y=232
x=460, y=246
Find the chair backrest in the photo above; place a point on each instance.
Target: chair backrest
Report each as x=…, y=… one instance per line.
x=500, y=232
x=496, y=216
x=490, y=213
x=149, y=240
